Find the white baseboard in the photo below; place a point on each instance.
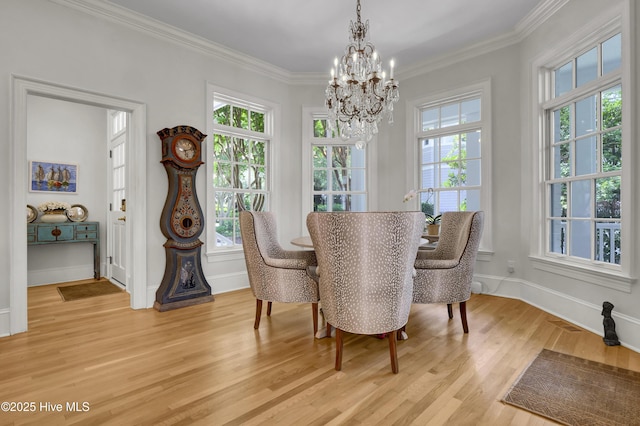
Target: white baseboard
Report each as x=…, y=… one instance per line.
x=5, y=329
x=579, y=312
x=225, y=283
x=222, y=283
x=37, y=277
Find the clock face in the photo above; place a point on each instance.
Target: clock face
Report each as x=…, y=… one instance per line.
x=186, y=149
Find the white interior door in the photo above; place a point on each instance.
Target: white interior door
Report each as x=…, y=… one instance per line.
x=117, y=230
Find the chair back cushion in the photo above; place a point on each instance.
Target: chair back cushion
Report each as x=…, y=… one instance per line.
x=275, y=274
x=365, y=263
x=440, y=279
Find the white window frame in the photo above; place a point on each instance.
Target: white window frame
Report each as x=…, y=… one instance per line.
x=415, y=135
x=309, y=114
x=610, y=22
x=271, y=133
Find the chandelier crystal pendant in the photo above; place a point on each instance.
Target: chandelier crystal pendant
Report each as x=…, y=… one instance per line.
x=358, y=94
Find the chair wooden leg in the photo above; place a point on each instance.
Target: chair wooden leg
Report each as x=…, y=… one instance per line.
x=268, y=309
x=450, y=310
x=256, y=324
x=463, y=315
x=328, y=330
x=314, y=312
x=393, y=351
x=338, y=349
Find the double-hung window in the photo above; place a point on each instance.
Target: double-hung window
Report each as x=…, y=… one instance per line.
x=241, y=135
x=338, y=171
x=583, y=177
x=452, y=152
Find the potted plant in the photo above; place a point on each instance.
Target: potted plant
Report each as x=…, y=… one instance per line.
x=433, y=224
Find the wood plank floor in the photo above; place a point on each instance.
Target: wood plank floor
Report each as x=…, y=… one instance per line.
x=205, y=365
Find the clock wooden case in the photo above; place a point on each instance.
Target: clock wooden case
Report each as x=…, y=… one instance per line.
x=182, y=221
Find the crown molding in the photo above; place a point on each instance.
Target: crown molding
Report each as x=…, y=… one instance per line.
x=114, y=13
x=543, y=11
x=526, y=26
x=106, y=10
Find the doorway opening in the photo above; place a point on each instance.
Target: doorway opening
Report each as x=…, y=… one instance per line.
x=135, y=226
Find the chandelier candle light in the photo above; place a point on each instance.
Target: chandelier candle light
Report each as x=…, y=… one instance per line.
x=358, y=94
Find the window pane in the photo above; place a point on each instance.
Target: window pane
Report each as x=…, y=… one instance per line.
x=224, y=232
x=320, y=156
x=580, y=239
x=472, y=175
x=340, y=180
x=222, y=175
x=612, y=107
x=430, y=119
x=319, y=203
x=259, y=202
x=428, y=176
x=427, y=150
x=470, y=111
x=222, y=115
x=581, y=198
x=586, y=116
x=557, y=237
x=447, y=201
x=608, y=242
x=612, y=151
x=562, y=119
x=612, y=54
x=587, y=67
x=558, y=200
x=257, y=152
x=240, y=118
x=225, y=204
x=427, y=202
x=357, y=180
x=586, y=156
x=450, y=115
x=608, y=197
x=221, y=146
x=562, y=161
x=448, y=147
x=320, y=180
x=257, y=121
x=564, y=79
x=470, y=200
x=259, y=177
x=472, y=144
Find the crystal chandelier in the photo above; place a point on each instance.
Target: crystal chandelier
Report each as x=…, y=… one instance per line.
x=358, y=96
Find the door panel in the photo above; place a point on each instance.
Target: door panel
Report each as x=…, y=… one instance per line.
x=117, y=214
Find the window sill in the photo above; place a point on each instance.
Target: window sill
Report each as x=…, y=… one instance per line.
x=593, y=275
x=225, y=255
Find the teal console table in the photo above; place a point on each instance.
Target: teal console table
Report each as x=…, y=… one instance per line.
x=68, y=232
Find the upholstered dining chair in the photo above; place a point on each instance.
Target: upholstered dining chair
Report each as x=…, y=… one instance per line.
x=365, y=271
x=444, y=274
x=275, y=274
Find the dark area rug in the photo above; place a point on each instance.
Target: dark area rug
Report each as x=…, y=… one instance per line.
x=82, y=291
x=576, y=391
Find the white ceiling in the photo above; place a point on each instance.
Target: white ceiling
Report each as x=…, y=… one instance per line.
x=304, y=36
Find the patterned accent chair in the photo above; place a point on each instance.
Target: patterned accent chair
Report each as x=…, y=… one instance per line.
x=275, y=274
x=365, y=270
x=444, y=275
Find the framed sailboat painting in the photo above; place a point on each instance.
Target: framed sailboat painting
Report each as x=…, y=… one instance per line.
x=53, y=177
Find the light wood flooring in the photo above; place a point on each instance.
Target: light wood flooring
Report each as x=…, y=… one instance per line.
x=205, y=365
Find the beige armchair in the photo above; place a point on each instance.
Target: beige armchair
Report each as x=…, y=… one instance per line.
x=365, y=270
x=275, y=274
x=444, y=275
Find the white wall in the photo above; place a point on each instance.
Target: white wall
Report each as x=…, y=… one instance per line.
x=65, y=132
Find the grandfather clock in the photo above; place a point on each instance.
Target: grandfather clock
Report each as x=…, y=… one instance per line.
x=182, y=222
